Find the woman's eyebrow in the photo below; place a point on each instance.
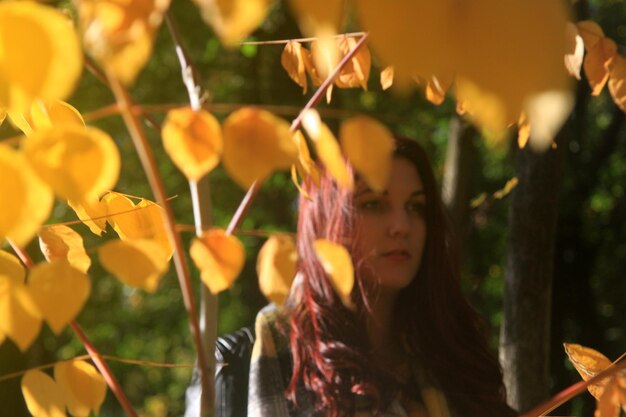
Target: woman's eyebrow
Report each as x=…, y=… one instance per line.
x=418, y=193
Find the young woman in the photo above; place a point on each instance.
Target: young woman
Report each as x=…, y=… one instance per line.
x=412, y=347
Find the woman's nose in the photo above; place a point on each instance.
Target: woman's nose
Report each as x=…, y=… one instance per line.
x=399, y=222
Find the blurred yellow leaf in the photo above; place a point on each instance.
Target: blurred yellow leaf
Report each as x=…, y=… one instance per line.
x=305, y=164
x=49, y=113
x=42, y=395
x=368, y=145
x=386, y=77
x=138, y=263
x=256, y=143
x=591, y=32
x=233, y=20
x=337, y=263
x=327, y=148
x=20, y=318
x=59, y=291
x=82, y=386
x=523, y=131
x=145, y=220
x=11, y=266
x=62, y=242
x=41, y=54
x=26, y=201
x=193, y=139
x=315, y=16
x=3, y=114
x=574, y=50
x=597, y=62
x=437, y=87
x=295, y=169
x=546, y=112
x=617, y=81
x=588, y=362
x=92, y=214
x=356, y=72
x=119, y=33
x=276, y=267
x=295, y=60
x=506, y=190
x=219, y=257
x=325, y=56
x=79, y=163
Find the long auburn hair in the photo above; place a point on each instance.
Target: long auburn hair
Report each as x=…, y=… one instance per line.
x=329, y=343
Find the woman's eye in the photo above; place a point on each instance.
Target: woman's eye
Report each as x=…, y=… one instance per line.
x=417, y=207
x=371, y=205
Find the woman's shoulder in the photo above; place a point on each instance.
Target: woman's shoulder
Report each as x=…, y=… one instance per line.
x=272, y=332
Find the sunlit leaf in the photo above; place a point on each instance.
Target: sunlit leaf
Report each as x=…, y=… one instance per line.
x=92, y=214
x=506, y=190
x=3, y=114
x=386, y=77
x=62, y=242
x=588, y=362
x=305, y=163
x=276, y=267
x=49, y=113
x=219, y=257
x=193, y=139
x=20, y=318
x=26, y=201
x=120, y=33
x=315, y=16
x=437, y=87
x=546, y=112
x=137, y=263
x=591, y=32
x=574, y=50
x=325, y=56
x=256, y=143
x=233, y=20
x=294, y=178
x=523, y=131
x=82, y=386
x=337, y=263
x=327, y=148
x=609, y=401
x=78, y=163
x=356, y=72
x=295, y=59
x=42, y=395
x=617, y=81
x=11, y=266
x=59, y=291
x=41, y=54
x=597, y=62
x=368, y=145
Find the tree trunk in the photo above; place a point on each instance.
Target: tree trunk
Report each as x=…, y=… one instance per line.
x=525, y=332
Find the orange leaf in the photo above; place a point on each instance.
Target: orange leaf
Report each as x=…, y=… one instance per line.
x=20, y=319
x=82, y=386
x=590, y=31
x=11, y=266
x=92, y=214
x=305, y=164
x=219, y=257
x=276, y=267
x=62, y=242
x=368, y=145
x=588, y=362
x=255, y=144
x=325, y=56
x=597, y=63
x=386, y=77
x=59, y=291
x=617, y=81
x=42, y=395
x=609, y=401
x=193, y=139
x=337, y=263
x=315, y=16
x=574, y=50
x=436, y=89
x=356, y=72
x=295, y=60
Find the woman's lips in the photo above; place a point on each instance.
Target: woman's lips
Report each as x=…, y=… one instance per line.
x=397, y=255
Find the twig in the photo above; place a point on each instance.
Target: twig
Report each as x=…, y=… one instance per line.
x=284, y=41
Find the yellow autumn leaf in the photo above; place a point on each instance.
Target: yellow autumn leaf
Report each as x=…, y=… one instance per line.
x=590, y=31
x=138, y=263
x=315, y=16
x=523, y=131
x=325, y=56
x=193, y=140
x=41, y=54
x=42, y=395
x=144, y=220
x=276, y=267
x=3, y=115
x=437, y=87
x=386, y=77
x=307, y=167
x=574, y=50
x=256, y=143
x=219, y=257
x=233, y=20
x=327, y=148
x=44, y=114
x=20, y=318
x=588, y=362
x=295, y=59
x=356, y=72
x=506, y=190
x=92, y=214
x=62, y=242
x=27, y=201
x=120, y=33
x=617, y=81
x=337, y=263
x=78, y=163
x=60, y=291
x=11, y=266
x=368, y=145
x=546, y=112
x=597, y=62
x=82, y=387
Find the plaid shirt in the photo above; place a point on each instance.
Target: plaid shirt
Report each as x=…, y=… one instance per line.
x=270, y=372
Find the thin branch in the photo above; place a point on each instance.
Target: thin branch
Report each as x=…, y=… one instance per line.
x=285, y=41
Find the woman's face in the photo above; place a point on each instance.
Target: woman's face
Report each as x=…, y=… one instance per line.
x=391, y=227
